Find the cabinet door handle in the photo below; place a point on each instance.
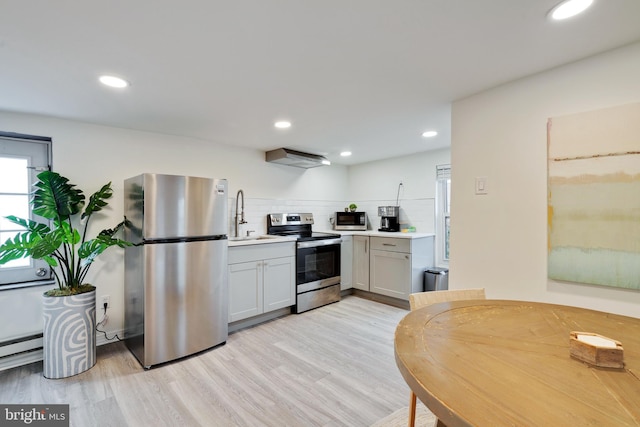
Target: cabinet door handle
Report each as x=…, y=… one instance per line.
x=365, y=246
x=388, y=244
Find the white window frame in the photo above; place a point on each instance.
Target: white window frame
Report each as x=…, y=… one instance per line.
x=32, y=280
x=443, y=216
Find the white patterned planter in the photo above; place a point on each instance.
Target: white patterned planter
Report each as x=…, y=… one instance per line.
x=69, y=336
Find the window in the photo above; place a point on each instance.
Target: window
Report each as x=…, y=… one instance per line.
x=22, y=157
x=14, y=199
x=443, y=208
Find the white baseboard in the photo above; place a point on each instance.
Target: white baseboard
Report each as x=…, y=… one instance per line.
x=261, y=318
x=20, y=345
x=30, y=351
x=20, y=351
x=20, y=359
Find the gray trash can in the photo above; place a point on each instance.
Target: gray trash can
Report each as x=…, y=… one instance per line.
x=436, y=279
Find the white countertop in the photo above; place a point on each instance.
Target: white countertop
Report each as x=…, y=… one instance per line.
x=259, y=240
x=375, y=233
x=267, y=239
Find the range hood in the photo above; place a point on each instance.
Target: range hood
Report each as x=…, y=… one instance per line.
x=286, y=156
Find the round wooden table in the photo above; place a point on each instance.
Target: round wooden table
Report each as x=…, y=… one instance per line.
x=507, y=363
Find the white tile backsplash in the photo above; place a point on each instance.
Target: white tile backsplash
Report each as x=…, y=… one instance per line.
x=419, y=213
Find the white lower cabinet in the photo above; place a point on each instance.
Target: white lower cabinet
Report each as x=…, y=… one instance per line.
x=360, y=271
x=397, y=265
x=261, y=279
x=346, y=263
x=279, y=286
x=245, y=290
x=390, y=273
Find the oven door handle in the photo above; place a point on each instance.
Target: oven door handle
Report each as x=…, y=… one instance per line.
x=316, y=243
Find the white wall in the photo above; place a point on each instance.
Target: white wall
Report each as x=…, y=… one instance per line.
x=375, y=184
x=91, y=155
x=499, y=240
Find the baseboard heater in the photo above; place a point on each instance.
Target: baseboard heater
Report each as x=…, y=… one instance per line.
x=28, y=349
x=20, y=351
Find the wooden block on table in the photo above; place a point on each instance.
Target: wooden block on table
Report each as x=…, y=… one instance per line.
x=596, y=349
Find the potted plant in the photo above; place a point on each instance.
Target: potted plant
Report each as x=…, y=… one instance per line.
x=69, y=334
x=353, y=207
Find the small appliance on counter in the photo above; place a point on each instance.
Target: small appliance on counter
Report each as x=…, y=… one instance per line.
x=389, y=218
x=350, y=221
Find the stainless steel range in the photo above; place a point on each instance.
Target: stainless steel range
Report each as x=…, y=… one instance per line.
x=317, y=259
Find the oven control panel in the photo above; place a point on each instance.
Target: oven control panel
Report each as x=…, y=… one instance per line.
x=291, y=219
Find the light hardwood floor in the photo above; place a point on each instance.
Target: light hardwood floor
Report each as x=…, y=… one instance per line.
x=333, y=366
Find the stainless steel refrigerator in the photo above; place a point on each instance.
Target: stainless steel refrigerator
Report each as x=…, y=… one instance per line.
x=176, y=296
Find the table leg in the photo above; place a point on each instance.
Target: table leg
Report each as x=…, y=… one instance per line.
x=412, y=410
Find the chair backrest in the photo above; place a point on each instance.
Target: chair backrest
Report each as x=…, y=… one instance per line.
x=421, y=299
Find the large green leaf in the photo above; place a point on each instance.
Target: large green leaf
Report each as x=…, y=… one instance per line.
x=69, y=234
x=97, y=200
x=55, y=198
x=51, y=261
x=48, y=244
x=90, y=249
x=32, y=226
x=110, y=232
x=20, y=246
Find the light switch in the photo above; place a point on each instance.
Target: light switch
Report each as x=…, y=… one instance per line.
x=481, y=185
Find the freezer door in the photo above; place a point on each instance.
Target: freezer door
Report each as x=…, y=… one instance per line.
x=185, y=299
x=172, y=206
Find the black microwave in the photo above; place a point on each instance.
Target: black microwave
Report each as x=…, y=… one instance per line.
x=351, y=221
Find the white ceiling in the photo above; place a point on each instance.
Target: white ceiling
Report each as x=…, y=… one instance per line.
x=362, y=75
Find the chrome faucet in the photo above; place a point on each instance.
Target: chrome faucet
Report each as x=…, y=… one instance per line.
x=241, y=214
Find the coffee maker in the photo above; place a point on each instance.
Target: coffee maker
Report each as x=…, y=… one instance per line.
x=389, y=218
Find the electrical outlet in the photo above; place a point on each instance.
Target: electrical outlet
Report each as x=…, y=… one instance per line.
x=106, y=300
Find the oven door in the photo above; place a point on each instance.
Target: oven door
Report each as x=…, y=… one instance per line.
x=317, y=264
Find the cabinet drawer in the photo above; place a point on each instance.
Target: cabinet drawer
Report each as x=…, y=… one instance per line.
x=391, y=244
x=248, y=253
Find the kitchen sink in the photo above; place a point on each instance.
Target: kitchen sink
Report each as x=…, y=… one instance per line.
x=244, y=238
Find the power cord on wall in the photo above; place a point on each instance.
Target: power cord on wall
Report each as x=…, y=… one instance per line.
x=103, y=322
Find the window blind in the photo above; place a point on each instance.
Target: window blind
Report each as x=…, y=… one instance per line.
x=443, y=172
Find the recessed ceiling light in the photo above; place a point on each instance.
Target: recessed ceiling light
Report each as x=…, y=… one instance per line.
x=569, y=8
x=113, y=81
x=282, y=125
x=345, y=153
x=326, y=162
x=429, y=133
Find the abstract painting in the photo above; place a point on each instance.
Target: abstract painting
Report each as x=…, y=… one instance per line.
x=594, y=197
